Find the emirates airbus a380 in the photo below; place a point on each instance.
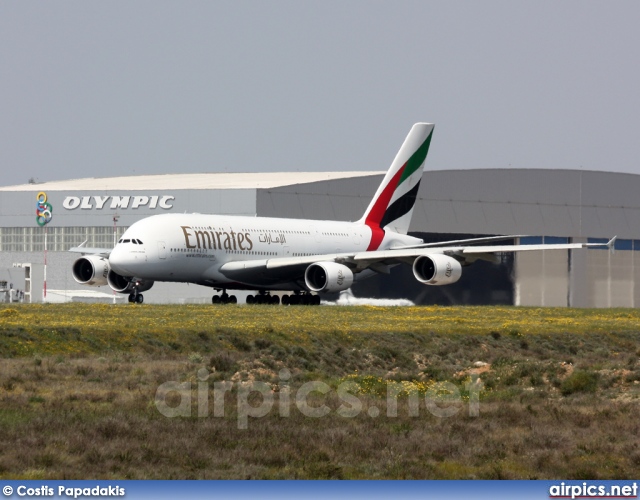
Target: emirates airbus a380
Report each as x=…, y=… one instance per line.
x=292, y=255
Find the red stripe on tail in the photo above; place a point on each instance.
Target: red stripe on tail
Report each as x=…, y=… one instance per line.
x=377, y=235
x=374, y=217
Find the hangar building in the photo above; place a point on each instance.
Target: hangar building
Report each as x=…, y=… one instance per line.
x=550, y=206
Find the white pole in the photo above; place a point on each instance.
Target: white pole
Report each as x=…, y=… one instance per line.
x=45, y=264
x=115, y=241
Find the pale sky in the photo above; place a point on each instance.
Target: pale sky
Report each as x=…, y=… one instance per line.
x=95, y=89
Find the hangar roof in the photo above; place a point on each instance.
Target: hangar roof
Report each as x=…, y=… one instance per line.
x=262, y=180
x=550, y=202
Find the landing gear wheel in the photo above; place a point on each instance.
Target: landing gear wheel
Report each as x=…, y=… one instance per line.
x=215, y=299
x=251, y=299
x=275, y=300
x=316, y=300
x=233, y=299
x=139, y=299
x=132, y=297
x=285, y=300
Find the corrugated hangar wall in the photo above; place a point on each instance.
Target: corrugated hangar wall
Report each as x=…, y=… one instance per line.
x=553, y=206
x=536, y=202
x=340, y=199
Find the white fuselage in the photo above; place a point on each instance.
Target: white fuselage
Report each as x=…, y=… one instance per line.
x=193, y=247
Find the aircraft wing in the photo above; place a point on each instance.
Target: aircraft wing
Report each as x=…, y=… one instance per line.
x=82, y=249
x=522, y=248
x=486, y=252
x=379, y=260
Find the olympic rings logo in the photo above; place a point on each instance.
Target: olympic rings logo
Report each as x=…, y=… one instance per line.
x=44, y=210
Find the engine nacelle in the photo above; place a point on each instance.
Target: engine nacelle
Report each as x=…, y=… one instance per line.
x=436, y=269
x=328, y=277
x=91, y=270
x=122, y=284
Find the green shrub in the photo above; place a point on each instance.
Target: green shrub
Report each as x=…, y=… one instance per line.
x=633, y=376
x=195, y=357
x=262, y=343
x=240, y=343
x=502, y=361
x=222, y=362
x=579, y=381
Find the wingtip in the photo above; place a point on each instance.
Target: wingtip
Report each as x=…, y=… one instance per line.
x=612, y=241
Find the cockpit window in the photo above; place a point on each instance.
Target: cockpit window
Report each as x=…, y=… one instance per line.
x=125, y=241
x=135, y=242
x=120, y=240
x=139, y=242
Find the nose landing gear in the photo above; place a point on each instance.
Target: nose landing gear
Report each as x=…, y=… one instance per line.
x=136, y=297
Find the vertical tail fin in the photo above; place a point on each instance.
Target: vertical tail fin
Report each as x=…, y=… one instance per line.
x=392, y=205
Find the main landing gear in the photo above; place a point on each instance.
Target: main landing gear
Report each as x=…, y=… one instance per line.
x=301, y=299
x=263, y=298
x=305, y=299
x=225, y=298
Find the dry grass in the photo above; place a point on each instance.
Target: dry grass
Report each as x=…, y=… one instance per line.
x=560, y=399
x=81, y=328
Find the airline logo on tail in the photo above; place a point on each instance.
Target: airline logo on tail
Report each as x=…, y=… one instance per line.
x=392, y=205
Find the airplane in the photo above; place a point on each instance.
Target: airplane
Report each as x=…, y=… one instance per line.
x=300, y=257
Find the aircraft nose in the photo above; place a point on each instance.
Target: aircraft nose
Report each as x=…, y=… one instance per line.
x=122, y=261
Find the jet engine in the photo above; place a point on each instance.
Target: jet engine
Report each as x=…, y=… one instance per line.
x=328, y=277
x=436, y=269
x=91, y=270
x=123, y=284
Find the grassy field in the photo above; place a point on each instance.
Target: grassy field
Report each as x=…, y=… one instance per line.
x=558, y=392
